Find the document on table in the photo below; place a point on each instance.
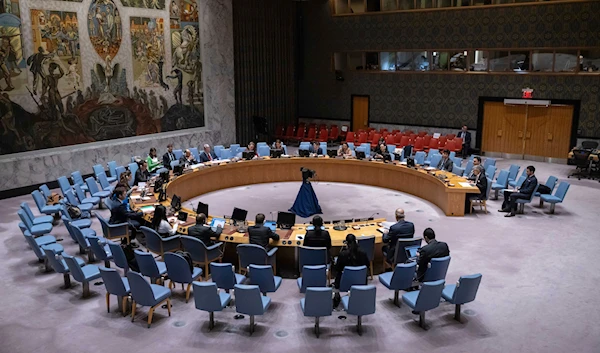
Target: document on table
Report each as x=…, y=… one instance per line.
x=465, y=185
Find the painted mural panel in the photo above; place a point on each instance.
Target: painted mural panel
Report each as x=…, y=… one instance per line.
x=145, y=4
x=105, y=27
x=147, y=41
x=13, y=75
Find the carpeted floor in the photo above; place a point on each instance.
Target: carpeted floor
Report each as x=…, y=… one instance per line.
x=538, y=292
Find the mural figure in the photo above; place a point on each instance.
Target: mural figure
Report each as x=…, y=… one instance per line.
x=104, y=27
x=147, y=40
x=145, y=4
x=12, y=64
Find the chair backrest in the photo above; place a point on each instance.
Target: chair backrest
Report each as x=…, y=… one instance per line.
x=28, y=223
x=400, y=256
x=226, y=153
x=403, y=275
x=234, y=148
x=318, y=301
x=432, y=152
x=118, y=255
x=97, y=248
x=141, y=291
x=112, y=169
x=353, y=276
x=218, y=149
x=503, y=178
x=74, y=268
x=27, y=210
x=458, y=170
x=437, y=270
x=64, y=184
x=420, y=157
x=33, y=245
x=133, y=168
x=195, y=247
x=38, y=198
x=77, y=178
x=520, y=181
x=313, y=276
x=263, y=151
x=92, y=186
x=251, y=254
x=79, y=237
x=457, y=161
x=79, y=192
x=488, y=162
x=222, y=275
x=112, y=281
x=561, y=191
x=367, y=244
x=194, y=151
x=120, y=170
x=308, y=256
x=489, y=187
x=153, y=240
x=429, y=295
x=362, y=300
x=98, y=169
x=45, y=191
x=206, y=296
x=469, y=166
x=146, y=263
x=57, y=265
x=71, y=198
x=513, y=170
x=490, y=171
x=533, y=193
x=551, y=182
x=178, y=153
x=248, y=300
x=103, y=180
x=435, y=160
x=178, y=268
x=466, y=289
x=262, y=276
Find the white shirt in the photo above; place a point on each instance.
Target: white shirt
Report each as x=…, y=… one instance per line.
x=165, y=228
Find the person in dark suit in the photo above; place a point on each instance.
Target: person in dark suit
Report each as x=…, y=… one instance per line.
x=169, y=157
x=476, y=163
x=446, y=163
x=525, y=191
x=466, y=136
x=122, y=213
x=187, y=159
x=479, y=180
x=315, y=148
x=402, y=229
x=207, y=155
x=317, y=237
x=142, y=175
x=350, y=255
x=259, y=234
x=203, y=232
x=432, y=250
x=381, y=152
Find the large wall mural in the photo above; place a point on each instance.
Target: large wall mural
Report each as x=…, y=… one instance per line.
x=50, y=96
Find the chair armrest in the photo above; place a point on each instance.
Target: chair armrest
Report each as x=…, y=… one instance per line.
x=272, y=252
x=110, y=225
x=173, y=237
x=214, y=246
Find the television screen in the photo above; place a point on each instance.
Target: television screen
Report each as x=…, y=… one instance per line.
x=176, y=202
x=202, y=208
x=285, y=220
x=238, y=214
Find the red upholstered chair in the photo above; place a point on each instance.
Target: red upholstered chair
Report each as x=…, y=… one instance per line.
x=426, y=140
x=323, y=134
x=408, y=132
x=451, y=136
x=371, y=129
x=404, y=141
x=395, y=131
x=301, y=126
x=398, y=138
x=450, y=146
x=419, y=144
x=443, y=140
x=362, y=138
x=375, y=140
x=381, y=131
x=334, y=133
x=371, y=133
x=422, y=133
x=299, y=133
x=313, y=125
x=385, y=134
x=390, y=139
x=312, y=134
x=350, y=137
x=434, y=143
x=345, y=129
x=413, y=137
x=323, y=126
x=458, y=142
x=279, y=131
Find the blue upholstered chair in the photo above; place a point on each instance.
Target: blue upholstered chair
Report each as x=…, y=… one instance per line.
x=367, y=147
x=312, y=276
x=435, y=160
x=469, y=166
x=95, y=191
x=100, y=250
x=457, y=162
x=501, y=183
x=82, y=198
x=178, y=153
x=521, y=202
x=367, y=244
x=400, y=279
x=430, y=154
x=36, y=245
x=112, y=231
x=490, y=172
x=224, y=276
x=353, y=276
x=513, y=170
x=78, y=180
x=458, y=170
x=99, y=170
x=149, y=267
x=310, y=256
x=58, y=264
x=158, y=244
x=218, y=148
x=420, y=158
x=83, y=274
x=464, y=291
x=76, y=237
x=40, y=202
x=45, y=190
x=63, y=184
x=35, y=220
x=437, y=269
x=227, y=154
x=262, y=276
x=119, y=257
x=201, y=254
x=194, y=151
x=147, y=294
x=104, y=183
x=120, y=170
x=452, y=155
x=174, y=163
x=550, y=183
x=115, y=285
x=82, y=222
x=360, y=302
x=317, y=303
x=35, y=229
x=178, y=270
x=558, y=196
x=133, y=168
x=208, y=298
x=400, y=251
x=482, y=202
x=112, y=169
x=263, y=151
x=519, y=181
x=248, y=301
x=425, y=299
x=84, y=207
x=255, y=254
x=488, y=162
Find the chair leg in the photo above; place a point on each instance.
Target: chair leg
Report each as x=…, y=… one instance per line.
x=211, y=322
x=496, y=194
x=371, y=265
x=541, y=202
x=206, y=270
x=251, y=324
x=171, y=285
x=485, y=206
x=90, y=255
x=317, y=326
x=47, y=267
x=396, y=295
x=359, y=326
x=106, y=263
x=187, y=292
x=422, y=319
x=471, y=207
x=86, y=289
x=150, y=314
x=67, y=280
x=169, y=306
x=133, y=305
x=552, y=208
x=457, y=313
x=124, y=305
x=108, y=302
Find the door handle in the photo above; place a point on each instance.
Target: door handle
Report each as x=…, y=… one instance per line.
x=528, y=135
x=499, y=133
x=550, y=137
x=521, y=134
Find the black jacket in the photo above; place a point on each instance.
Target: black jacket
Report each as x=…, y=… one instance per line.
x=430, y=251
x=481, y=182
x=204, y=156
x=204, y=233
x=317, y=241
x=402, y=229
x=120, y=214
x=447, y=165
x=466, y=138
x=168, y=159
x=260, y=235
x=141, y=176
x=528, y=185
x=184, y=161
x=344, y=260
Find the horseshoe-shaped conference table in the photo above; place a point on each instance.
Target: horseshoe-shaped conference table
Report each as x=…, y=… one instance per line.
x=448, y=195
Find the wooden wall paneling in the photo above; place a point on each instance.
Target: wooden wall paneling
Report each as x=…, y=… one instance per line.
x=538, y=123
x=558, y=133
x=514, y=129
x=493, y=125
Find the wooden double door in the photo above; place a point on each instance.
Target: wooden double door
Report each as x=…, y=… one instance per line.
x=528, y=132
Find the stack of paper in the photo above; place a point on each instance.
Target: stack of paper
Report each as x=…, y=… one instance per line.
x=465, y=185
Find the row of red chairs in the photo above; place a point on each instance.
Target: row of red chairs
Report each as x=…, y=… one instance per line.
x=311, y=133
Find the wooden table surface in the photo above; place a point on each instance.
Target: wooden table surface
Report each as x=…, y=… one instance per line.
x=418, y=182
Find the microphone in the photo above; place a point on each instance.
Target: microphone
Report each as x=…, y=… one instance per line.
x=376, y=213
x=192, y=208
x=271, y=213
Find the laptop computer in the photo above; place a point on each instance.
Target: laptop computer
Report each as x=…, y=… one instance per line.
x=411, y=252
x=271, y=225
x=303, y=153
x=217, y=222
x=332, y=153
x=182, y=216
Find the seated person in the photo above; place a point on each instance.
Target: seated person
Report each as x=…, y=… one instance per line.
x=382, y=153
x=350, y=255
x=402, y=229
x=278, y=145
x=187, y=159
x=317, y=237
x=315, y=149
x=344, y=150
x=160, y=223
x=152, y=160
x=142, y=175
x=380, y=142
x=122, y=213
x=169, y=156
x=476, y=162
x=259, y=234
x=432, y=250
x=203, y=232
x=445, y=163
x=481, y=182
x=124, y=180
x=207, y=155
x=252, y=149
x=525, y=191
